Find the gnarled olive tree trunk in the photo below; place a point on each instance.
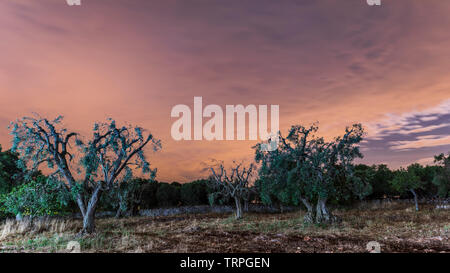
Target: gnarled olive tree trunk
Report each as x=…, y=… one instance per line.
x=310, y=215
x=319, y=215
x=89, y=213
x=323, y=216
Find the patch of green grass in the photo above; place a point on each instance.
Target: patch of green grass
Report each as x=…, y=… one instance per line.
x=160, y=232
x=229, y=220
x=99, y=241
x=43, y=243
x=447, y=228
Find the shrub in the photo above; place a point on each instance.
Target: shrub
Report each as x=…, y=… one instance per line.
x=194, y=193
x=408, y=180
x=168, y=195
x=149, y=199
x=41, y=196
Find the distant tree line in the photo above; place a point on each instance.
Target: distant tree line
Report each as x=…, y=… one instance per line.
x=38, y=195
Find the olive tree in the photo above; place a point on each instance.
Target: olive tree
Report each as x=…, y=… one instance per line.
x=110, y=153
x=305, y=168
x=442, y=178
x=234, y=183
x=407, y=180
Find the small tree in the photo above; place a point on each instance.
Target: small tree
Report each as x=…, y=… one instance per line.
x=234, y=184
x=407, y=180
x=442, y=178
x=104, y=158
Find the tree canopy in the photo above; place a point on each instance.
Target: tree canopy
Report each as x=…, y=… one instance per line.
x=111, y=152
x=306, y=168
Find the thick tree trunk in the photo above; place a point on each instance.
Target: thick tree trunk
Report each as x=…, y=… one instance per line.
x=238, y=208
x=309, y=217
x=89, y=222
x=323, y=216
x=415, y=199
x=89, y=217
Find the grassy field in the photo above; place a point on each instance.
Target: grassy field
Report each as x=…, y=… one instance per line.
x=397, y=228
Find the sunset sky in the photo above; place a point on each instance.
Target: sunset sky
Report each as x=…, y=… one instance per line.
x=332, y=61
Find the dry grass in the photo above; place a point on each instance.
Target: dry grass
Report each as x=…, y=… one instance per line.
x=398, y=228
x=11, y=228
